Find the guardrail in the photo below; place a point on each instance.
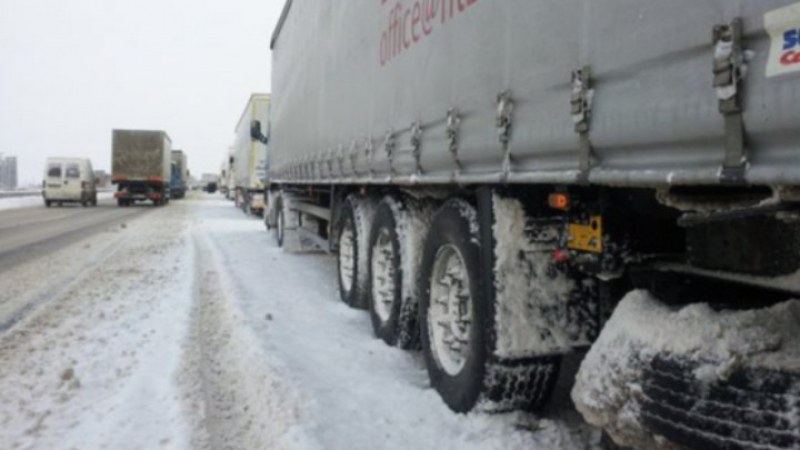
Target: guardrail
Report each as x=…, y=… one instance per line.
x=34, y=192
x=12, y=194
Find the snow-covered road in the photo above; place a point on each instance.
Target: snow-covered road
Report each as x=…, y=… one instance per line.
x=189, y=328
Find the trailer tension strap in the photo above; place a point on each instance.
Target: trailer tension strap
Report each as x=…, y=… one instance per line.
x=505, y=107
x=453, y=125
x=416, y=146
x=581, y=103
x=390, y=145
x=368, y=151
x=729, y=70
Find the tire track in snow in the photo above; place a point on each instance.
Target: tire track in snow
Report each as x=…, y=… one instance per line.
x=244, y=403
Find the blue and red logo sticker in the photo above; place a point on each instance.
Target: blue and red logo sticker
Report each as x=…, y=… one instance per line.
x=790, y=53
x=783, y=27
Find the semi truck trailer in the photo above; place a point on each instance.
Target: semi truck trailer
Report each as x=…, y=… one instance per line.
x=495, y=176
x=179, y=174
x=140, y=166
x=250, y=156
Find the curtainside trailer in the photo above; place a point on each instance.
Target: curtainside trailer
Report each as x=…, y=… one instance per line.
x=495, y=176
x=250, y=155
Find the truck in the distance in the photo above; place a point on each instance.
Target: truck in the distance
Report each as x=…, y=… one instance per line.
x=250, y=156
x=140, y=166
x=179, y=174
x=496, y=176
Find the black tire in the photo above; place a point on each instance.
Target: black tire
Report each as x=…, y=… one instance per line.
x=351, y=285
x=384, y=228
x=461, y=391
x=47, y=203
x=280, y=223
x=748, y=411
x=481, y=379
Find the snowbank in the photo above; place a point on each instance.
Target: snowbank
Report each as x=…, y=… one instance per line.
x=21, y=202
x=607, y=389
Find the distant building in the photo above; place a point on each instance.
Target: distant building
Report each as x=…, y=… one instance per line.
x=8, y=172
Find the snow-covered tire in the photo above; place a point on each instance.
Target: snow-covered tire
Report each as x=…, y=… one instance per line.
x=752, y=410
x=385, y=274
x=348, y=264
x=454, y=308
x=280, y=223
x=354, y=223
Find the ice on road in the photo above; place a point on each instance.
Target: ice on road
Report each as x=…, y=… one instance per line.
x=189, y=328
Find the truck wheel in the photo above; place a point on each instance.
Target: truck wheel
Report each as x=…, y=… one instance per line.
x=749, y=410
x=280, y=223
x=453, y=343
x=347, y=258
x=47, y=203
x=385, y=278
x=266, y=221
x=456, y=324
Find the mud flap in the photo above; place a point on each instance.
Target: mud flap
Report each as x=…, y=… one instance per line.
x=527, y=331
x=541, y=307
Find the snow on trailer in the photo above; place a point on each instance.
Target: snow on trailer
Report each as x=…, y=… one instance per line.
x=692, y=372
x=560, y=164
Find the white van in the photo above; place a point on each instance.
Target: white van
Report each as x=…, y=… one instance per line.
x=69, y=180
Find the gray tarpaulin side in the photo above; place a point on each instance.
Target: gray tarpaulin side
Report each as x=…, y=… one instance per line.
x=362, y=90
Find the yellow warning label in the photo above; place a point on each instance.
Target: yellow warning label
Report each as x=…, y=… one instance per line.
x=587, y=237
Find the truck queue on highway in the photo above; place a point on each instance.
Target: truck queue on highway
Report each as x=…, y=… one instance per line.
x=143, y=167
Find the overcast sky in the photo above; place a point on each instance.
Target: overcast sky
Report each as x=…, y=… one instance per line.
x=72, y=70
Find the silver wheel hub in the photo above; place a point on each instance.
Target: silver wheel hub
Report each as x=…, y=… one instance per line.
x=450, y=311
x=383, y=275
x=347, y=256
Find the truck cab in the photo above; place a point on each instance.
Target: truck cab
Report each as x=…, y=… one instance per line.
x=69, y=180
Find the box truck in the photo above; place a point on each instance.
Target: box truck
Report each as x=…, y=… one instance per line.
x=494, y=176
x=140, y=166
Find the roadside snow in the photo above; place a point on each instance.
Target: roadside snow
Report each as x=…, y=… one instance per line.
x=205, y=335
x=607, y=387
x=94, y=366
x=21, y=202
